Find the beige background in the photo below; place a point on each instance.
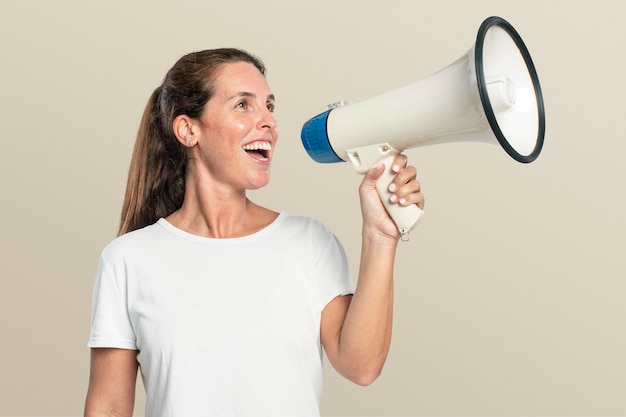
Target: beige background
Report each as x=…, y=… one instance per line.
x=510, y=294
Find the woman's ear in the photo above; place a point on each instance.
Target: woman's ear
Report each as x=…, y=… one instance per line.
x=184, y=129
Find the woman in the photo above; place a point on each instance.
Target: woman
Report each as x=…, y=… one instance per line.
x=223, y=305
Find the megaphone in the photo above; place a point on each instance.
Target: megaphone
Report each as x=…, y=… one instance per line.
x=491, y=94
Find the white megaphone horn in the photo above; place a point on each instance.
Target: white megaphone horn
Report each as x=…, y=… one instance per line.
x=491, y=94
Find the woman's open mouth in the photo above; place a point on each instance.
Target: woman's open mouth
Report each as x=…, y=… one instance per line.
x=258, y=150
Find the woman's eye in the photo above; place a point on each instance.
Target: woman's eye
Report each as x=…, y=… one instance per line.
x=242, y=105
x=271, y=107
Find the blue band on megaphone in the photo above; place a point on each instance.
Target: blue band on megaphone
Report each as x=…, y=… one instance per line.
x=315, y=139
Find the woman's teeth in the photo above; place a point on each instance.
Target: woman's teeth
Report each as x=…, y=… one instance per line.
x=258, y=146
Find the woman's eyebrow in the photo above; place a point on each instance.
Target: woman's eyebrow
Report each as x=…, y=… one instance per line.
x=250, y=95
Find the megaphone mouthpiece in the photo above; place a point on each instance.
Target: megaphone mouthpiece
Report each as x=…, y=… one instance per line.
x=315, y=139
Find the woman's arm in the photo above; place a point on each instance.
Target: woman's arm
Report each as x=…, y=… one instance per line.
x=112, y=380
x=356, y=330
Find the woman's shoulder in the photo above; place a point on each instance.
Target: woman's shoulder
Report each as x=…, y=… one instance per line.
x=305, y=221
x=305, y=225
x=135, y=239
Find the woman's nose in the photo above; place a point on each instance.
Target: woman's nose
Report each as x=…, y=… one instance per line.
x=268, y=120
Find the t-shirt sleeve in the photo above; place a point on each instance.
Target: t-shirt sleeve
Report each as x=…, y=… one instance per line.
x=332, y=270
x=110, y=321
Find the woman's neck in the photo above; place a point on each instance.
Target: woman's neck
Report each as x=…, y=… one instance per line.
x=220, y=214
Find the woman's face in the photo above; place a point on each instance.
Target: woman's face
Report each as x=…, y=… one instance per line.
x=238, y=129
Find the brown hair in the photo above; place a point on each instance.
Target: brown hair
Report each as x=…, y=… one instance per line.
x=156, y=178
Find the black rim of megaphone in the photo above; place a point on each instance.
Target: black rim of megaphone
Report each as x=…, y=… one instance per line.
x=484, y=95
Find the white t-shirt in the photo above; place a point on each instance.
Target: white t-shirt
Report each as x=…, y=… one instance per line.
x=223, y=327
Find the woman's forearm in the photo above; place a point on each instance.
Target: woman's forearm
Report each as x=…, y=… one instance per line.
x=366, y=333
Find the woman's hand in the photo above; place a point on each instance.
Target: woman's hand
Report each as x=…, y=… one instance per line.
x=405, y=190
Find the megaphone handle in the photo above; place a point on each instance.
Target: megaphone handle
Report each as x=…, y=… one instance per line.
x=405, y=217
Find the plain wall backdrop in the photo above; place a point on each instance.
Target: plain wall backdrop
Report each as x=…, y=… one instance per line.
x=510, y=294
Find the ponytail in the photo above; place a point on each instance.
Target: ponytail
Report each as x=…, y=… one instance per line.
x=156, y=178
